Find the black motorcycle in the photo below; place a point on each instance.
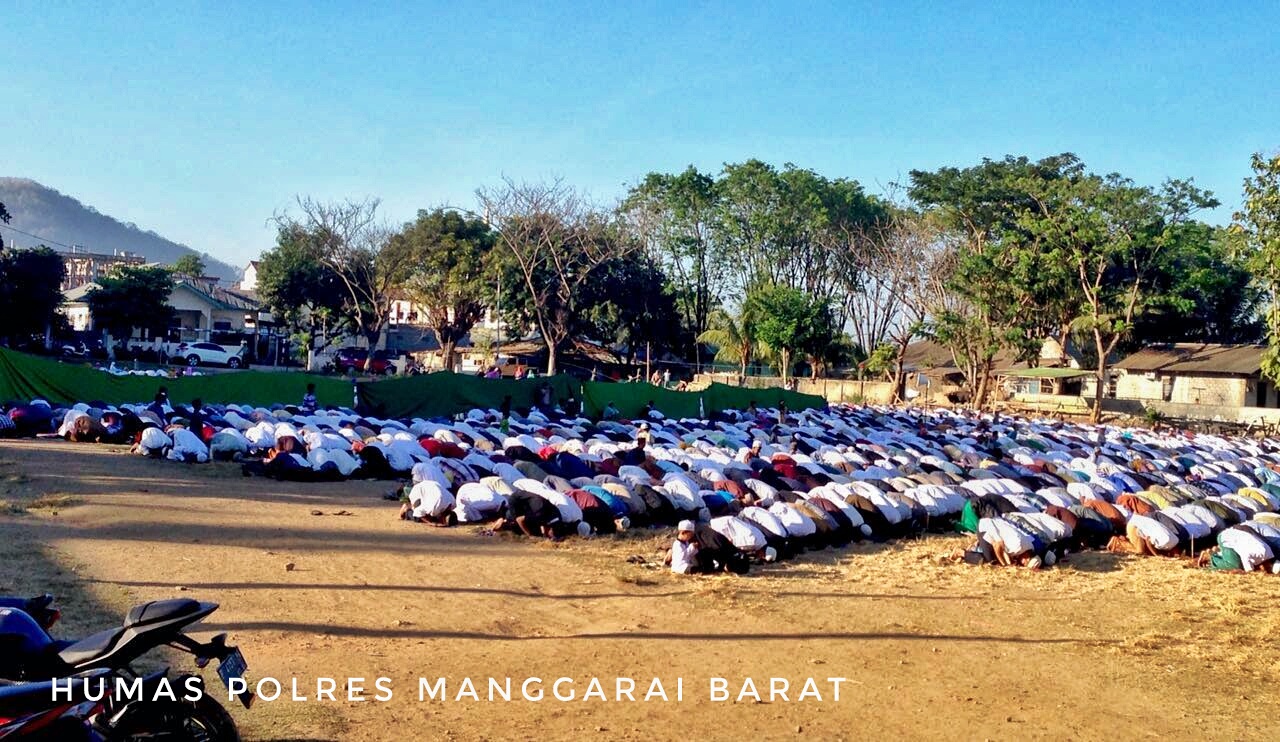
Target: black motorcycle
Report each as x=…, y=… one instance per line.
x=155, y=706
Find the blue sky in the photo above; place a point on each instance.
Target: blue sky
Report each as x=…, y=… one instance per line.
x=200, y=120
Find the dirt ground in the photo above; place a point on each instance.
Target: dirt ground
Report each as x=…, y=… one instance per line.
x=1104, y=647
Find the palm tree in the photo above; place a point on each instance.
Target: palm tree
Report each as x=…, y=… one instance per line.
x=733, y=337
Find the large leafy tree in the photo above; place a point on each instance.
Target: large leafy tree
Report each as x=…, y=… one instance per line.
x=1012, y=292
x=631, y=304
x=676, y=216
x=304, y=294
x=348, y=238
x=790, y=321
x=132, y=297
x=189, y=264
x=453, y=268
x=1111, y=234
x=556, y=242
x=1203, y=290
x=794, y=227
x=1258, y=227
x=30, y=290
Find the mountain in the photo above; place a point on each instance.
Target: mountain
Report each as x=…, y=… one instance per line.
x=57, y=218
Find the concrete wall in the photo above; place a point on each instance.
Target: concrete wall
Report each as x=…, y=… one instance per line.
x=833, y=390
x=1207, y=389
x=1135, y=385
x=1214, y=391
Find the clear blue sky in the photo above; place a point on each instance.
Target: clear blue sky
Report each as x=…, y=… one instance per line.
x=200, y=120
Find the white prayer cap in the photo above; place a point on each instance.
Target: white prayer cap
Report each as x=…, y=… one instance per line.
x=770, y=554
x=866, y=529
x=686, y=525
x=584, y=529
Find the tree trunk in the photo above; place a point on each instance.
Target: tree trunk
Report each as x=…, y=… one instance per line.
x=1095, y=415
x=448, y=353
x=984, y=384
x=551, y=357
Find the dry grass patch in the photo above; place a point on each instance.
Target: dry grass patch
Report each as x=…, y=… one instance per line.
x=53, y=503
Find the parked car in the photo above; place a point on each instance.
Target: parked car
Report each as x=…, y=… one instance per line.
x=379, y=364
x=197, y=353
x=349, y=359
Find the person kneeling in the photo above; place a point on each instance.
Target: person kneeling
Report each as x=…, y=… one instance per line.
x=431, y=504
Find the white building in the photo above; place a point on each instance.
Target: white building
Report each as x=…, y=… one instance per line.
x=249, y=282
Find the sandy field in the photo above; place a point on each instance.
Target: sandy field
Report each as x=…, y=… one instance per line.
x=1104, y=647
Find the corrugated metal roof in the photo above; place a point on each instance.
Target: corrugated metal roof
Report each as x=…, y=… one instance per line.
x=1192, y=358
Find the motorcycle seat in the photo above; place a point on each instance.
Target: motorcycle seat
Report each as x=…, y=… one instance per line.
x=160, y=610
x=91, y=647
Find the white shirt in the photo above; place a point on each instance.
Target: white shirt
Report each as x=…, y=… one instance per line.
x=430, y=472
x=745, y=536
x=429, y=500
x=154, y=439
x=345, y=462
x=1251, y=549
x=1160, y=536
x=798, y=524
x=998, y=529
x=475, y=501
x=764, y=520
x=682, y=556
x=186, y=442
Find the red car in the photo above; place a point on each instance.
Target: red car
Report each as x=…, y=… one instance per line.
x=378, y=364
x=359, y=359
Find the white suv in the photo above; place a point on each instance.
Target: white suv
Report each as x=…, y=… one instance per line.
x=197, y=353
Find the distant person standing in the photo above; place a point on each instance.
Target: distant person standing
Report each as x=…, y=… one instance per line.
x=666, y=378
x=309, y=400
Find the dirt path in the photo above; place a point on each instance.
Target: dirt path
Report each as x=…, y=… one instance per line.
x=1105, y=647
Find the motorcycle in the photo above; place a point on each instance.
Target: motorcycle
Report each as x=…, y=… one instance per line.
x=27, y=711
x=39, y=608
x=27, y=652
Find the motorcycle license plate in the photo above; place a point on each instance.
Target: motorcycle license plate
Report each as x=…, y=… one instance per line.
x=232, y=666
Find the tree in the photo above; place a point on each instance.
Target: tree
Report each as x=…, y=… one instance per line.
x=349, y=240
x=30, y=291
x=451, y=273
x=630, y=304
x=790, y=321
x=189, y=265
x=303, y=293
x=4, y=217
x=675, y=215
x=557, y=242
x=733, y=337
x=1257, y=228
x=794, y=227
x=1203, y=291
x=132, y=297
x=1110, y=233
x=1011, y=292
x=906, y=282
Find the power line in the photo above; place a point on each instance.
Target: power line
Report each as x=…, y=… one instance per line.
x=36, y=236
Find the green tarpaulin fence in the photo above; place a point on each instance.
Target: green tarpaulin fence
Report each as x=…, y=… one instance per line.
x=631, y=397
x=444, y=393
x=25, y=377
